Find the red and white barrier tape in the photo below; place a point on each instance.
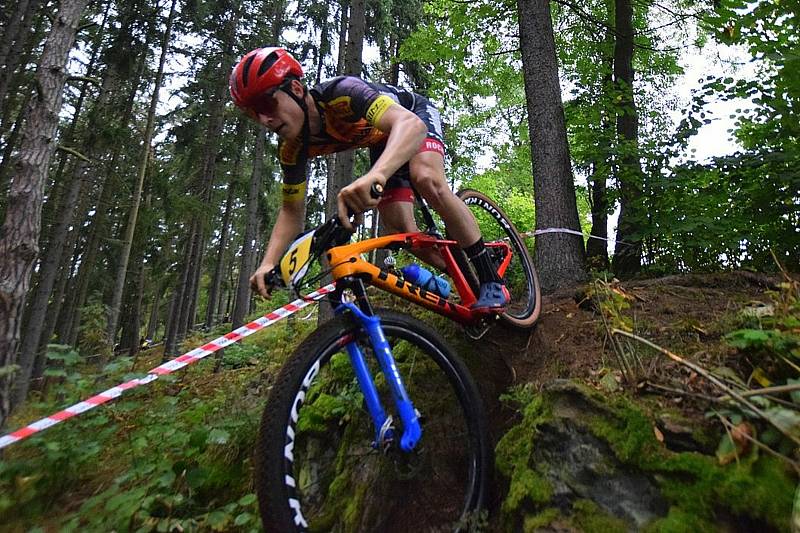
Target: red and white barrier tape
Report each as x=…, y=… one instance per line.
x=168, y=367
x=566, y=230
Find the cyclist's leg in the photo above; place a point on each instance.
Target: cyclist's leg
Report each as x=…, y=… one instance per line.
x=397, y=209
x=398, y=217
x=427, y=175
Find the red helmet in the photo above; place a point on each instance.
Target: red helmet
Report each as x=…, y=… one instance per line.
x=259, y=71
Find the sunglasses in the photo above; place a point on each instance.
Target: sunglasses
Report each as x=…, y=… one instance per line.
x=264, y=104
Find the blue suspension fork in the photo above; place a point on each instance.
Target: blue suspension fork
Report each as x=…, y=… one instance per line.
x=412, y=431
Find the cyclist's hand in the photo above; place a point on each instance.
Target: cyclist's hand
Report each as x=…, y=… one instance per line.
x=355, y=199
x=261, y=282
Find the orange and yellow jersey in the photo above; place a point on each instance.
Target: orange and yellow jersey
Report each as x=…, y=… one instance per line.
x=350, y=109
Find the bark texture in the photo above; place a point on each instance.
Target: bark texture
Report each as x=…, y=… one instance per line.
x=559, y=256
x=19, y=234
x=248, y=261
x=628, y=250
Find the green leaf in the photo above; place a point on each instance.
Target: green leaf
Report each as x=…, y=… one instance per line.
x=167, y=479
x=196, y=477
x=247, y=499
x=198, y=438
x=726, y=450
x=786, y=419
x=218, y=436
x=747, y=338
x=242, y=519
x=218, y=521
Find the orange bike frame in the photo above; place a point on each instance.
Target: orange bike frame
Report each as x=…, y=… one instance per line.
x=346, y=261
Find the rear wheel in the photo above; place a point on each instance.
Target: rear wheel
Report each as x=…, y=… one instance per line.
x=316, y=468
x=520, y=275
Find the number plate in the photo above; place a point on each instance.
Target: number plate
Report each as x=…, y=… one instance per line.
x=294, y=263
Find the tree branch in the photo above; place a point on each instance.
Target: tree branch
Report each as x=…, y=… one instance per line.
x=85, y=79
x=86, y=26
x=703, y=372
x=591, y=18
x=74, y=152
x=765, y=391
x=586, y=16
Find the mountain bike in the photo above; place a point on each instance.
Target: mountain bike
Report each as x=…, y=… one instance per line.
x=374, y=423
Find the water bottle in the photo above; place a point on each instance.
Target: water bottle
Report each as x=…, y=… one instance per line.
x=426, y=280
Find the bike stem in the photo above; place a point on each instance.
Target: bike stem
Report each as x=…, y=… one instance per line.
x=412, y=431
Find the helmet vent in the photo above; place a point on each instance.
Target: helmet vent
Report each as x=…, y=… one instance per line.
x=267, y=63
x=247, y=69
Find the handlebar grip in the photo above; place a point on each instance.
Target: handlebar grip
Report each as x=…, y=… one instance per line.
x=272, y=279
x=376, y=191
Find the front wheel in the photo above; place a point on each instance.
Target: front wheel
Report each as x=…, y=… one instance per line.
x=520, y=276
x=316, y=467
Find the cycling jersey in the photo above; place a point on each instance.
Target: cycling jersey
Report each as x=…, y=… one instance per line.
x=350, y=109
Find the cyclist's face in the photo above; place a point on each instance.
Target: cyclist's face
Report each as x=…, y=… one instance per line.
x=279, y=113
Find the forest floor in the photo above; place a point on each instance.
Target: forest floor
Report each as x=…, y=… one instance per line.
x=177, y=454
x=694, y=317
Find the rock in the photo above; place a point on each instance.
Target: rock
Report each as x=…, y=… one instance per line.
x=579, y=466
x=678, y=436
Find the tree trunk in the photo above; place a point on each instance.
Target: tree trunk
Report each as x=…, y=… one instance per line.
x=627, y=254
x=215, y=288
x=94, y=146
x=152, y=323
x=48, y=269
x=120, y=67
x=597, y=249
x=119, y=284
x=14, y=39
x=55, y=307
x=19, y=234
x=11, y=143
x=187, y=294
x=559, y=256
x=248, y=260
x=174, y=317
x=216, y=280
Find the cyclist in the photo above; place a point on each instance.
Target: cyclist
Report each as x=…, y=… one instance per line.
x=403, y=133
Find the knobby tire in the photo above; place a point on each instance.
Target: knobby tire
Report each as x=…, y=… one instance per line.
x=521, y=279
x=314, y=457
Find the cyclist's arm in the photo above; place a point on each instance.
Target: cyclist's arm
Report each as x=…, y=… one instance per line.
x=288, y=224
x=406, y=133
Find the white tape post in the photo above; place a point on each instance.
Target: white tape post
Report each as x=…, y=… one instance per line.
x=167, y=368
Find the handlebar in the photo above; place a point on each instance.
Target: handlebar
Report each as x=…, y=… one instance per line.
x=326, y=236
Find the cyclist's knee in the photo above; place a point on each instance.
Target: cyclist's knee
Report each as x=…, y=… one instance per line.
x=433, y=188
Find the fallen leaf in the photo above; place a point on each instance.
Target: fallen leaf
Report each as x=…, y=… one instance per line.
x=740, y=434
x=609, y=382
x=659, y=435
x=761, y=377
x=735, y=443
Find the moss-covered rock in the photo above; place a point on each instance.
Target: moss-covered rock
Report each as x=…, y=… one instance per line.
x=597, y=461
